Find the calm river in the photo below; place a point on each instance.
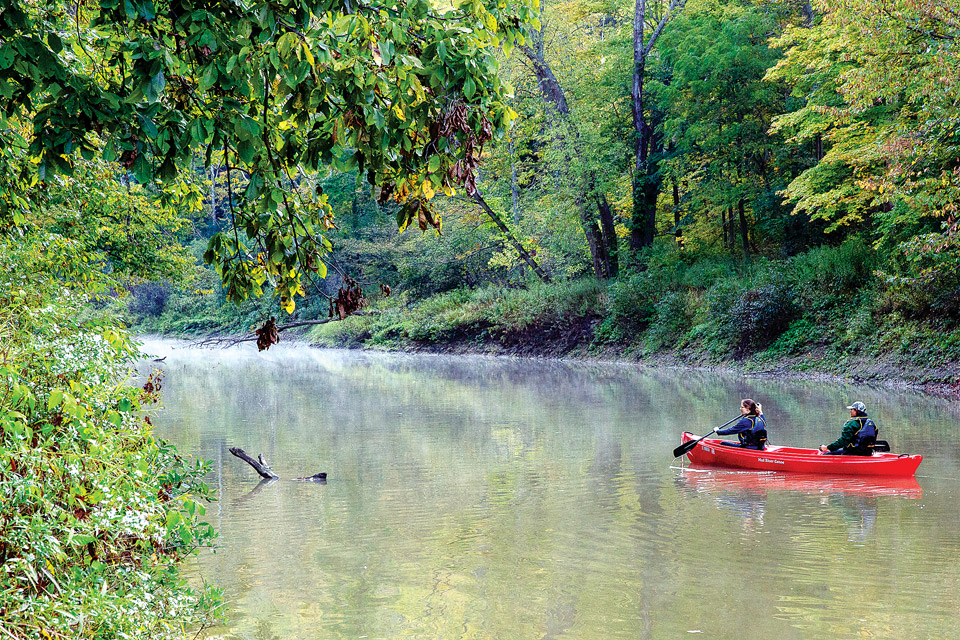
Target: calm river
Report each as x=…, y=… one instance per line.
x=474, y=497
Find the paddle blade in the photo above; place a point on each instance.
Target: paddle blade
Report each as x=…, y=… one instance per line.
x=685, y=448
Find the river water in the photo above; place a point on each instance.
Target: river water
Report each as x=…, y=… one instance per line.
x=473, y=497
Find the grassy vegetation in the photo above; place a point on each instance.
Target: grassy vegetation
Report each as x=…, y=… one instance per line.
x=828, y=309
x=485, y=314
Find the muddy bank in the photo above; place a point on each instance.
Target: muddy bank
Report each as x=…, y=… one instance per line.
x=575, y=340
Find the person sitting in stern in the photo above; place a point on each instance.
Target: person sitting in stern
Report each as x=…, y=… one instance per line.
x=858, y=436
x=751, y=429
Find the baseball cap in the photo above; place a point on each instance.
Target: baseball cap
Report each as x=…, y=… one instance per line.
x=858, y=406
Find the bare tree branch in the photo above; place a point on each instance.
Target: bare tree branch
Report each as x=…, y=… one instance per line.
x=260, y=466
x=229, y=341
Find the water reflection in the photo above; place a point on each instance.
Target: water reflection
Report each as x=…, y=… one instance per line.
x=488, y=498
x=712, y=480
x=253, y=493
x=745, y=493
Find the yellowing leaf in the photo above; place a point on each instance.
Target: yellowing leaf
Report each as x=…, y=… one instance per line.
x=428, y=191
x=308, y=54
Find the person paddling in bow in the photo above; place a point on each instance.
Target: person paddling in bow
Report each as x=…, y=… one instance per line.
x=858, y=436
x=751, y=429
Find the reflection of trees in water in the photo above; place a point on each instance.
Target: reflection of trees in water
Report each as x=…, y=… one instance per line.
x=746, y=495
x=748, y=505
x=858, y=511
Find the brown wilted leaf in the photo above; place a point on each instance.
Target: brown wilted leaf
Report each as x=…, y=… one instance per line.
x=267, y=335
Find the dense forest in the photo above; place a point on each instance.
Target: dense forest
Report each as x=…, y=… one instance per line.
x=737, y=181
x=716, y=181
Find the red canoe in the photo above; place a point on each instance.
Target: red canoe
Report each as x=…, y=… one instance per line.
x=710, y=452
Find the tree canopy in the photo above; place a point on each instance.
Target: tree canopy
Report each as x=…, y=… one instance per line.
x=406, y=93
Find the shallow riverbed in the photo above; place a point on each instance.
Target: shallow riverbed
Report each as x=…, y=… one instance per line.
x=473, y=497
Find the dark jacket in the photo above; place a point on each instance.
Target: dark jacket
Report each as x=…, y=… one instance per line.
x=751, y=431
x=857, y=437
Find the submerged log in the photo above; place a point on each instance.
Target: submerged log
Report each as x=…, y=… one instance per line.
x=261, y=467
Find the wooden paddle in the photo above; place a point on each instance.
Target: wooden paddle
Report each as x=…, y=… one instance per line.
x=688, y=446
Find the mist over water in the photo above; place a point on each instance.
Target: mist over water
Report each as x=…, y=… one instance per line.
x=473, y=497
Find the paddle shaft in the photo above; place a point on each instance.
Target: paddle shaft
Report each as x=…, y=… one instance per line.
x=688, y=446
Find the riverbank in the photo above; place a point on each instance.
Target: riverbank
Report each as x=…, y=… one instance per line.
x=575, y=320
x=98, y=514
x=935, y=382
x=830, y=313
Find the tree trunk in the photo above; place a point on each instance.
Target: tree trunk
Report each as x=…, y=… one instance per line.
x=677, y=231
x=646, y=184
x=640, y=234
x=643, y=222
x=213, y=198
x=645, y=193
x=260, y=466
x=514, y=187
x=546, y=80
x=609, y=235
x=731, y=230
x=743, y=229
x=593, y=233
x=524, y=254
x=723, y=226
x=601, y=238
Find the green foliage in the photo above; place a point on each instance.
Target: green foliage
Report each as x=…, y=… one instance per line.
x=758, y=317
x=717, y=109
x=123, y=225
x=871, y=83
x=405, y=93
x=654, y=296
x=630, y=309
x=493, y=311
x=840, y=270
x=97, y=513
x=673, y=317
x=795, y=339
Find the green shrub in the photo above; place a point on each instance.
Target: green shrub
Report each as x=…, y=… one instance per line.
x=97, y=514
x=757, y=318
x=841, y=270
x=148, y=298
x=631, y=307
x=672, y=319
x=795, y=339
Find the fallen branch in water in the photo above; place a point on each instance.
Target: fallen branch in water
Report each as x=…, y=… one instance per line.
x=229, y=341
x=261, y=467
